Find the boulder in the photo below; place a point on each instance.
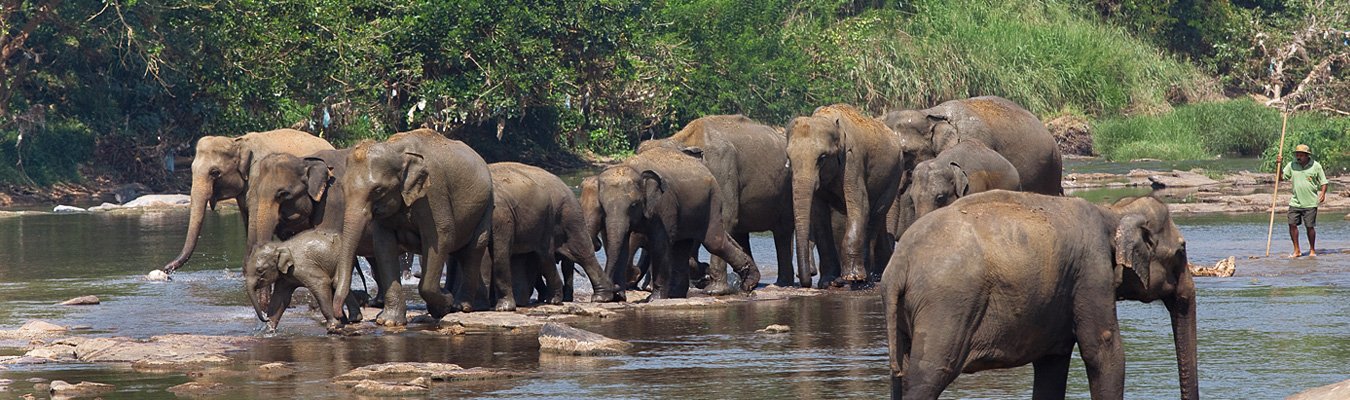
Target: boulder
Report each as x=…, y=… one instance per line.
x=416, y=387
x=559, y=338
x=274, y=371
x=403, y=371
x=160, y=353
x=158, y=276
x=63, y=209
x=83, y=389
x=105, y=207
x=81, y=301
x=33, y=329
x=775, y=328
x=1177, y=179
x=192, y=389
x=159, y=200
x=1223, y=269
x=1335, y=391
x=492, y=321
x=582, y=309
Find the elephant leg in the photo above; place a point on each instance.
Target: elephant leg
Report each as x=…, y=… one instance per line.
x=569, y=272
x=828, y=248
x=720, y=244
x=385, y=265
x=658, y=249
x=524, y=278
x=881, y=248
x=381, y=285
x=502, y=282
x=577, y=250
x=552, y=279
x=353, y=307
x=473, y=275
x=1052, y=376
x=717, y=275
x=782, y=245
x=677, y=274
x=433, y=266
x=282, y=291
x=1099, y=345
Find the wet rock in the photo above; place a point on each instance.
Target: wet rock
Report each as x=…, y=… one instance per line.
x=775, y=328
x=634, y=296
x=1223, y=269
x=83, y=389
x=378, y=388
x=33, y=329
x=55, y=352
x=68, y=209
x=275, y=371
x=105, y=207
x=559, y=338
x=582, y=309
x=1176, y=179
x=774, y=292
x=157, y=276
x=159, y=200
x=37, y=380
x=193, y=389
x=402, y=371
x=81, y=301
x=1335, y=391
x=160, y=353
x=493, y=321
x=179, y=363
x=692, y=302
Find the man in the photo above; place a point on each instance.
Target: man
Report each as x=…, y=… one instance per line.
x=1310, y=190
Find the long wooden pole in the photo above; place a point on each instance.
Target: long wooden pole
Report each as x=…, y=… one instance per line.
x=1274, y=194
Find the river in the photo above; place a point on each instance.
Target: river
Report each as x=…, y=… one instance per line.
x=1276, y=328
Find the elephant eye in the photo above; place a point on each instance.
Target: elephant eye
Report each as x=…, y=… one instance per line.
x=282, y=194
x=215, y=173
x=820, y=159
x=941, y=198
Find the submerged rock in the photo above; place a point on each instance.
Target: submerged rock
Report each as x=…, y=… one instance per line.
x=559, y=338
x=274, y=371
x=68, y=209
x=492, y=321
x=1335, y=391
x=1177, y=179
x=159, y=353
x=775, y=328
x=83, y=389
x=81, y=301
x=197, y=389
x=416, y=387
x=402, y=371
x=158, y=276
x=1223, y=269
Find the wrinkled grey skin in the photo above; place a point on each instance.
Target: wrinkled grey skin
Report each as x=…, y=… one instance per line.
x=1002, y=279
x=749, y=160
x=296, y=194
x=998, y=123
x=536, y=218
x=848, y=164
x=225, y=168
x=307, y=259
x=965, y=169
x=671, y=199
x=422, y=191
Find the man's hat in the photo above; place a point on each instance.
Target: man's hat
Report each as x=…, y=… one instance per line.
x=1303, y=148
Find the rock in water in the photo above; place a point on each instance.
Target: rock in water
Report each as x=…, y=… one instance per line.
x=83, y=389
x=158, y=276
x=559, y=338
x=192, y=389
x=775, y=328
x=1223, y=269
x=67, y=210
x=1333, y=391
x=81, y=301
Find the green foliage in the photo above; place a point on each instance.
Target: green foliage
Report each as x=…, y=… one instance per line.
x=50, y=154
x=1328, y=137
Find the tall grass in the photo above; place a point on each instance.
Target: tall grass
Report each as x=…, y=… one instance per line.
x=1050, y=56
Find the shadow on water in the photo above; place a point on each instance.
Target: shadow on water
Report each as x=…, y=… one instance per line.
x=1277, y=327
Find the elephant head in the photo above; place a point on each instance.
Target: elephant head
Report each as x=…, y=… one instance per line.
x=628, y=199
x=590, y=209
x=816, y=156
x=219, y=171
x=266, y=265
x=935, y=186
x=285, y=190
x=922, y=135
x=1150, y=264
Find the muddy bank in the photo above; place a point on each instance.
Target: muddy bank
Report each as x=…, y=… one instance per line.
x=1196, y=192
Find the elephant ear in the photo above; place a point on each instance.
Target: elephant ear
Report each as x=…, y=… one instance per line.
x=961, y=179
x=285, y=261
x=318, y=176
x=942, y=132
x=1134, y=245
x=414, y=178
x=693, y=151
x=245, y=157
x=653, y=189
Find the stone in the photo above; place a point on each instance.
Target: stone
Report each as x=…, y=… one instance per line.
x=159, y=200
x=105, y=207
x=559, y=338
x=634, y=296
x=1223, y=269
x=63, y=209
x=81, y=301
x=159, y=353
x=33, y=329
x=582, y=309
x=493, y=321
x=692, y=302
x=1335, y=391
x=83, y=389
x=775, y=328
x=274, y=371
x=197, y=389
x=52, y=352
x=1177, y=179
x=401, y=371
x=377, y=388
x=158, y=276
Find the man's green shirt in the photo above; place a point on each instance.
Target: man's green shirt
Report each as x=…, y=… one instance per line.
x=1307, y=182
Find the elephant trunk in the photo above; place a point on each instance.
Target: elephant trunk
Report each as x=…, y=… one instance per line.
x=355, y=218
x=201, y=194
x=618, y=260
x=261, y=225
x=803, y=202
x=1181, y=306
x=259, y=295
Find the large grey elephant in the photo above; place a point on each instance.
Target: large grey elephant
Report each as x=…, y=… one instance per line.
x=749, y=160
x=536, y=216
x=1000, y=124
x=1002, y=279
x=671, y=199
x=842, y=162
x=307, y=259
x=967, y=168
x=223, y=168
x=423, y=191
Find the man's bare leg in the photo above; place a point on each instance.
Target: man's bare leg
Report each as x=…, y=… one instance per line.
x=1312, y=242
x=1293, y=235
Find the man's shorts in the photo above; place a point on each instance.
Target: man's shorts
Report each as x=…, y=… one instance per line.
x=1305, y=216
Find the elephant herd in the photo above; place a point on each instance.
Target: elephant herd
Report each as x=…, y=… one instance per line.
x=971, y=281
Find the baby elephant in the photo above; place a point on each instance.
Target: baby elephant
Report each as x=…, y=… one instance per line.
x=965, y=169
x=307, y=259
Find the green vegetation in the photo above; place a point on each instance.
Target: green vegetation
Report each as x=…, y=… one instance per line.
x=116, y=86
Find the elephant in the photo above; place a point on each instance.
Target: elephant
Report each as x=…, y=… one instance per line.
x=998, y=123
x=967, y=168
x=535, y=215
x=223, y=168
x=842, y=162
x=306, y=259
x=423, y=191
x=672, y=200
x=749, y=160
x=1001, y=279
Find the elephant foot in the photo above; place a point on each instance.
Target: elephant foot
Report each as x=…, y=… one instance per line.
x=606, y=296
x=505, y=305
x=784, y=282
x=556, y=298
x=831, y=283
x=719, y=288
x=749, y=278
x=390, y=318
x=855, y=277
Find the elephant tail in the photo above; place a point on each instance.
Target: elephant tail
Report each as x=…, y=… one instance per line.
x=897, y=326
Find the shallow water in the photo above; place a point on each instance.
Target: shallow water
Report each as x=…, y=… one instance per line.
x=1278, y=327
